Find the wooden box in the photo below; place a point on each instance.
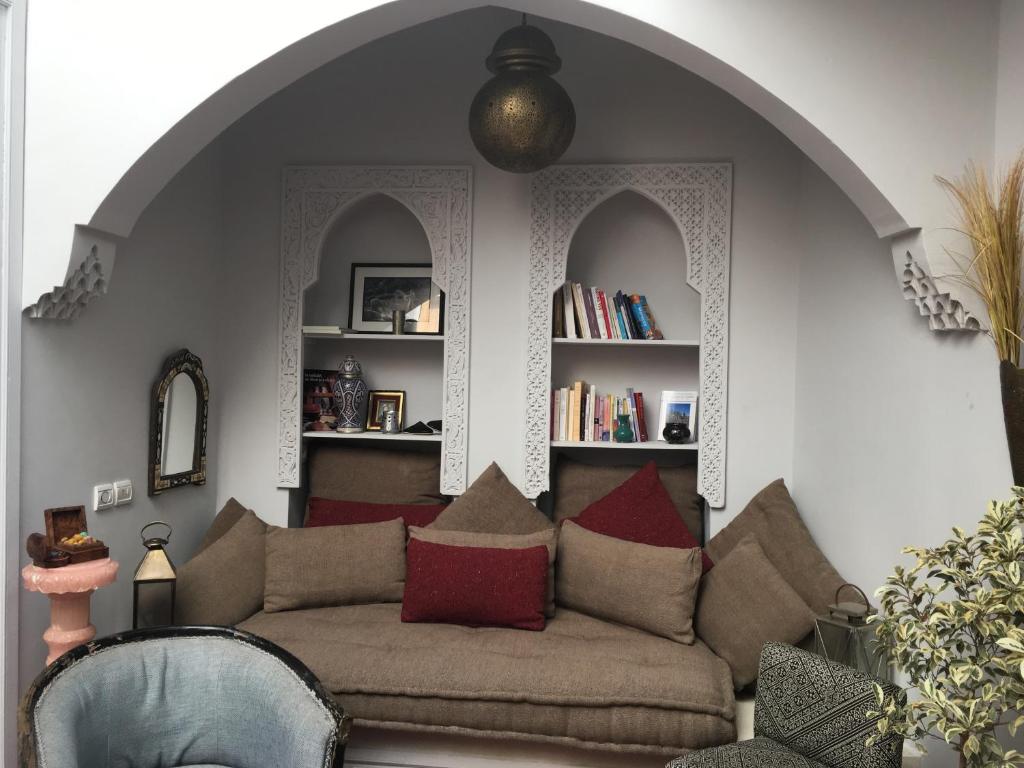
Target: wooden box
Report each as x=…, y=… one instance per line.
x=67, y=521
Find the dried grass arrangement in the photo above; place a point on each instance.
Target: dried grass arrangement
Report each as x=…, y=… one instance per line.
x=992, y=219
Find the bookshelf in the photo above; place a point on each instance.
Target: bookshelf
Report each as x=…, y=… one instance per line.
x=658, y=230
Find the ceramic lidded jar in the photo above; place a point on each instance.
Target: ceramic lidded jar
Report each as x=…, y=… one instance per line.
x=350, y=396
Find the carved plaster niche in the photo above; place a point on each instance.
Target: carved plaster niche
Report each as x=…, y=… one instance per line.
x=698, y=198
x=88, y=276
x=313, y=198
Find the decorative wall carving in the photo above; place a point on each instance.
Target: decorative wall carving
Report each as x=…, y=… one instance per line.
x=698, y=197
x=82, y=286
x=944, y=313
x=313, y=199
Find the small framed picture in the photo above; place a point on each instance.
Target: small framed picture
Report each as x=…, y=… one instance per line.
x=377, y=290
x=678, y=407
x=380, y=403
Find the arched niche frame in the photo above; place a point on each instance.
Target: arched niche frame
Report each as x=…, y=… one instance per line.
x=698, y=198
x=313, y=199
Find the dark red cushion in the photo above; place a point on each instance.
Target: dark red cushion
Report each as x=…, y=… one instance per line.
x=641, y=510
x=475, y=586
x=334, y=512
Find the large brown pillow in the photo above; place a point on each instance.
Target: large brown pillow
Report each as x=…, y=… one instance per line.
x=578, y=485
x=547, y=539
x=492, y=505
x=230, y=514
x=376, y=475
x=772, y=517
x=223, y=584
x=334, y=565
x=647, y=587
x=745, y=603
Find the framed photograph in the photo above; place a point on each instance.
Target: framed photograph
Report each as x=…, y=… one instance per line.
x=678, y=407
x=380, y=403
x=318, y=401
x=377, y=290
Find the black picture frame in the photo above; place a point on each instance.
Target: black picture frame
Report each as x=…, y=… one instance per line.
x=398, y=270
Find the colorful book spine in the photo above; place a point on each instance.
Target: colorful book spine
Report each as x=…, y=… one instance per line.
x=623, y=330
x=646, y=308
x=602, y=315
x=641, y=320
x=641, y=417
x=632, y=415
x=580, y=311
x=592, y=415
x=588, y=306
x=627, y=315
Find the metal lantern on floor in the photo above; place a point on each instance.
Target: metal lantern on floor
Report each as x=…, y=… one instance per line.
x=154, y=583
x=522, y=120
x=845, y=635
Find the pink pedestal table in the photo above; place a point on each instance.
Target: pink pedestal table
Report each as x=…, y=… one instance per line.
x=70, y=589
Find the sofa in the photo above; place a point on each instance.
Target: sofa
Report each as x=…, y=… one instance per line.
x=583, y=681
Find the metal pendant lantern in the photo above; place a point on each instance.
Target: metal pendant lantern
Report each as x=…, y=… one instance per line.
x=154, y=583
x=522, y=120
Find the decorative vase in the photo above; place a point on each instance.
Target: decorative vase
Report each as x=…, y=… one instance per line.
x=350, y=396
x=676, y=432
x=623, y=432
x=1011, y=379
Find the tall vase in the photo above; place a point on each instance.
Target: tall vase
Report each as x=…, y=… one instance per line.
x=1011, y=379
x=350, y=397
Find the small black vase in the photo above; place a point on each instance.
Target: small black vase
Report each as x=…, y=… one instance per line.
x=676, y=432
x=1011, y=380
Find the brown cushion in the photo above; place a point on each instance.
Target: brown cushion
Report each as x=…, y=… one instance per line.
x=230, y=514
x=581, y=681
x=492, y=505
x=745, y=603
x=577, y=486
x=223, y=584
x=334, y=565
x=374, y=474
x=771, y=516
x=642, y=586
x=547, y=539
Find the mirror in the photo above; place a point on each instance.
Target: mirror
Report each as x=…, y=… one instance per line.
x=177, y=435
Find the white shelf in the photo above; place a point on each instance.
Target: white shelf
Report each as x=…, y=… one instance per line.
x=631, y=342
x=374, y=336
x=400, y=437
x=650, y=445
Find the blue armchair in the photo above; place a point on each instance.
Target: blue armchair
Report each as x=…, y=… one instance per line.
x=180, y=696
x=808, y=713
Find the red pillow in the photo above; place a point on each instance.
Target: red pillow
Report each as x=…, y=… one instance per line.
x=334, y=512
x=475, y=586
x=641, y=510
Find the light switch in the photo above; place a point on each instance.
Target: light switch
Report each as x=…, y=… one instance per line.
x=122, y=492
x=102, y=496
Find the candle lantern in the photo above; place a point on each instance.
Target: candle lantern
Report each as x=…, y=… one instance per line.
x=845, y=635
x=154, y=582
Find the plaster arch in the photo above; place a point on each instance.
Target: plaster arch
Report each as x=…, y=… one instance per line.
x=104, y=205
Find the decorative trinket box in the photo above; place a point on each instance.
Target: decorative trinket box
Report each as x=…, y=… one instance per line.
x=66, y=530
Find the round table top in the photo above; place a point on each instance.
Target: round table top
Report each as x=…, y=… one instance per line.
x=80, y=577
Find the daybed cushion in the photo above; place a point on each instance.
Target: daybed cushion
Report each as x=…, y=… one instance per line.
x=229, y=514
x=580, y=681
x=772, y=517
x=492, y=505
x=547, y=539
x=373, y=474
x=578, y=485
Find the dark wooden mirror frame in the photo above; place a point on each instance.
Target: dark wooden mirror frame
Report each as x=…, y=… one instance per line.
x=185, y=362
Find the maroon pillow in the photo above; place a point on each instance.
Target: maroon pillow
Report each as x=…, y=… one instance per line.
x=641, y=510
x=475, y=586
x=334, y=512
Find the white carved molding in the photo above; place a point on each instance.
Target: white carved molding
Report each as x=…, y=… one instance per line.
x=698, y=198
x=83, y=285
x=944, y=313
x=313, y=198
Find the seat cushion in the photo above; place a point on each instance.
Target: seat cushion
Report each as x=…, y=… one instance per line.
x=581, y=681
x=755, y=753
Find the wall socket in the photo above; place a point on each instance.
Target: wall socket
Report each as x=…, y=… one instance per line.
x=107, y=495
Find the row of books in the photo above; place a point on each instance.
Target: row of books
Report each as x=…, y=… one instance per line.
x=579, y=414
x=590, y=313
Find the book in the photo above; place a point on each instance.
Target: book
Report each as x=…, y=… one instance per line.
x=602, y=314
x=588, y=305
x=632, y=415
x=563, y=407
x=577, y=405
x=650, y=318
x=641, y=417
x=557, y=319
x=318, y=400
x=628, y=315
x=568, y=313
x=580, y=311
x=591, y=415
x=335, y=330
x=623, y=330
x=640, y=318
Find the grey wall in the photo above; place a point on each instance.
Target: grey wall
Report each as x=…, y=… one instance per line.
x=86, y=393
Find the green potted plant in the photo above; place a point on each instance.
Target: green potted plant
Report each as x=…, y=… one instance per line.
x=952, y=622
x=992, y=220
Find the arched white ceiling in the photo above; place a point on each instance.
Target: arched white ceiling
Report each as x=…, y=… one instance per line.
x=109, y=128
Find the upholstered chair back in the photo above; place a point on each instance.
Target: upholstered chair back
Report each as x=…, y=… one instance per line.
x=818, y=708
x=179, y=697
